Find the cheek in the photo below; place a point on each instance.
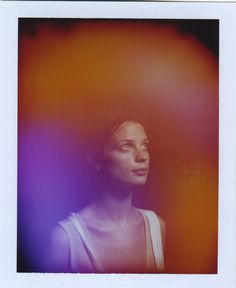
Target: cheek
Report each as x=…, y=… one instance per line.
x=119, y=163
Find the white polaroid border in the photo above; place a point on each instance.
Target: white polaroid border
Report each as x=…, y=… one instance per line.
x=9, y=14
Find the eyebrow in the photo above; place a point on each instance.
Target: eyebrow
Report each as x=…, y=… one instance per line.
x=130, y=141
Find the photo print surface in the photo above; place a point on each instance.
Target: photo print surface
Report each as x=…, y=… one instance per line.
x=117, y=124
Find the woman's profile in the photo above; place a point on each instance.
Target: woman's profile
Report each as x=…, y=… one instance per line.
x=110, y=235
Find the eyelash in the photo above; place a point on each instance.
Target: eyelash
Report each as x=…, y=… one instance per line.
x=126, y=146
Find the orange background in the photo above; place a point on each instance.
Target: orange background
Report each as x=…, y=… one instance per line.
x=69, y=69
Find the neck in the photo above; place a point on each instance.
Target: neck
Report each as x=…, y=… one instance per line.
x=115, y=204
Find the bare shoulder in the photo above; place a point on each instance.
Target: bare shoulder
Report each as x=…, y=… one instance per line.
x=60, y=250
x=59, y=237
x=87, y=213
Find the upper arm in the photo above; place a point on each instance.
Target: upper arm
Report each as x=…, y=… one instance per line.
x=60, y=250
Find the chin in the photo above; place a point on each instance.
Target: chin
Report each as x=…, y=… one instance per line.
x=139, y=182
x=130, y=181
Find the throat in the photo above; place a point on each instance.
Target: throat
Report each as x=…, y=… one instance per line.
x=115, y=208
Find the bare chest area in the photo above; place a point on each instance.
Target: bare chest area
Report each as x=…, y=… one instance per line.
x=120, y=248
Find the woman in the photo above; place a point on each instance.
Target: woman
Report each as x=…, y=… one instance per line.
x=110, y=235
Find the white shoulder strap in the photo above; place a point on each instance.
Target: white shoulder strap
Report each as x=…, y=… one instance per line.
x=72, y=244
x=91, y=250
x=155, y=230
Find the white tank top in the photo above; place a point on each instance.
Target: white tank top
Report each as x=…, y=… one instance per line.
x=83, y=255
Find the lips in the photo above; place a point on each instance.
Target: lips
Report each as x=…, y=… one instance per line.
x=140, y=172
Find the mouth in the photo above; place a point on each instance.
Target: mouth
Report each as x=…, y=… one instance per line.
x=140, y=172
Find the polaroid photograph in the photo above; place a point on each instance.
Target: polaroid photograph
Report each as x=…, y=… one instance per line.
x=118, y=144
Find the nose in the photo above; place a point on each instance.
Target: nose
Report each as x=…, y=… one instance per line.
x=141, y=156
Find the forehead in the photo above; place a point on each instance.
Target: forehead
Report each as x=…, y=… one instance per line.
x=129, y=130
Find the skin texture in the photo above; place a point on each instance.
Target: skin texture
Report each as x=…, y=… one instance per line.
x=126, y=154
x=112, y=221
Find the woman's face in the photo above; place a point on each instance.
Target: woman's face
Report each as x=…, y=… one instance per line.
x=126, y=154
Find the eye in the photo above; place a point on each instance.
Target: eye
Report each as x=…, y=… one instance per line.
x=125, y=147
x=145, y=146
